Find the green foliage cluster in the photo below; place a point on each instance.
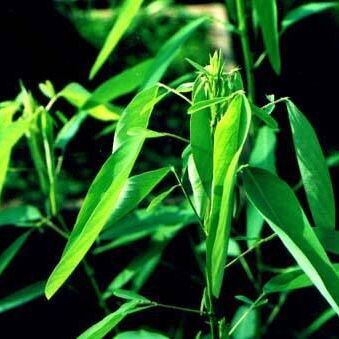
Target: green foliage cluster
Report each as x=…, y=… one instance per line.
x=227, y=168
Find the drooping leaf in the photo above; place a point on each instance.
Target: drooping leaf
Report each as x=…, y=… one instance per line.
x=168, y=52
x=263, y=156
x=107, y=324
x=127, y=13
x=306, y=10
x=267, y=13
x=313, y=169
x=77, y=96
x=279, y=206
x=119, y=85
x=229, y=138
x=11, y=251
x=105, y=190
x=22, y=296
x=22, y=215
x=264, y=116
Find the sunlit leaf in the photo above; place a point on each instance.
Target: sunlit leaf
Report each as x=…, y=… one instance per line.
x=127, y=13
x=105, y=190
x=156, y=201
x=229, y=138
x=121, y=84
x=168, y=52
x=129, y=295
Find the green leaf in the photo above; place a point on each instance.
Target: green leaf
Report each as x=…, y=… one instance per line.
x=264, y=116
x=168, y=52
x=160, y=198
x=229, y=138
x=267, y=13
x=47, y=89
x=129, y=295
x=142, y=224
x=124, y=83
x=248, y=327
x=316, y=324
x=333, y=160
x=104, y=193
x=10, y=133
x=304, y=11
x=202, y=142
x=22, y=296
x=140, y=334
x=69, y=130
x=10, y=252
x=328, y=238
x=127, y=13
x=107, y=324
x=279, y=206
x=200, y=105
x=77, y=96
x=200, y=197
x=22, y=215
x=313, y=169
x=263, y=156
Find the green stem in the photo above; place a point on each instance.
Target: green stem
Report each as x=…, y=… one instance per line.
x=244, y=316
x=245, y=45
x=90, y=274
x=249, y=250
x=179, y=308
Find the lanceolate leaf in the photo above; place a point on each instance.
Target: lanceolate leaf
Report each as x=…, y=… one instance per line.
x=105, y=190
x=229, y=138
x=77, y=96
x=22, y=296
x=328, y=238
x=106, y=325
x=168, y=52
x=119, y=85
x=140, y=334
x=304, y=11
x=127, y=13
x=277, y=203
x=10, y=252
x=267, y=14
x=313, y=169
x=156, y=201
x=290, y=280
x=22, y=215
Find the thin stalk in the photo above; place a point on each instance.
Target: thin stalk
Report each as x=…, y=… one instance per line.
x=179, y=308
x=249, y=250
x=55, y=228
x=187, y=196
x=245, y=45
x=213, y=322
x=244, y=316
x=91, y=276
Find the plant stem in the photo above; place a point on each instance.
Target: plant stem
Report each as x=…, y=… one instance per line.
x=249, y=250
x=179, y=308
x=90, y=273
x=244, y=316
x=187, y=197
x=245, y=45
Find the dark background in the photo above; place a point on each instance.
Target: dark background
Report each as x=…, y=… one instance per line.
x=38, y=43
